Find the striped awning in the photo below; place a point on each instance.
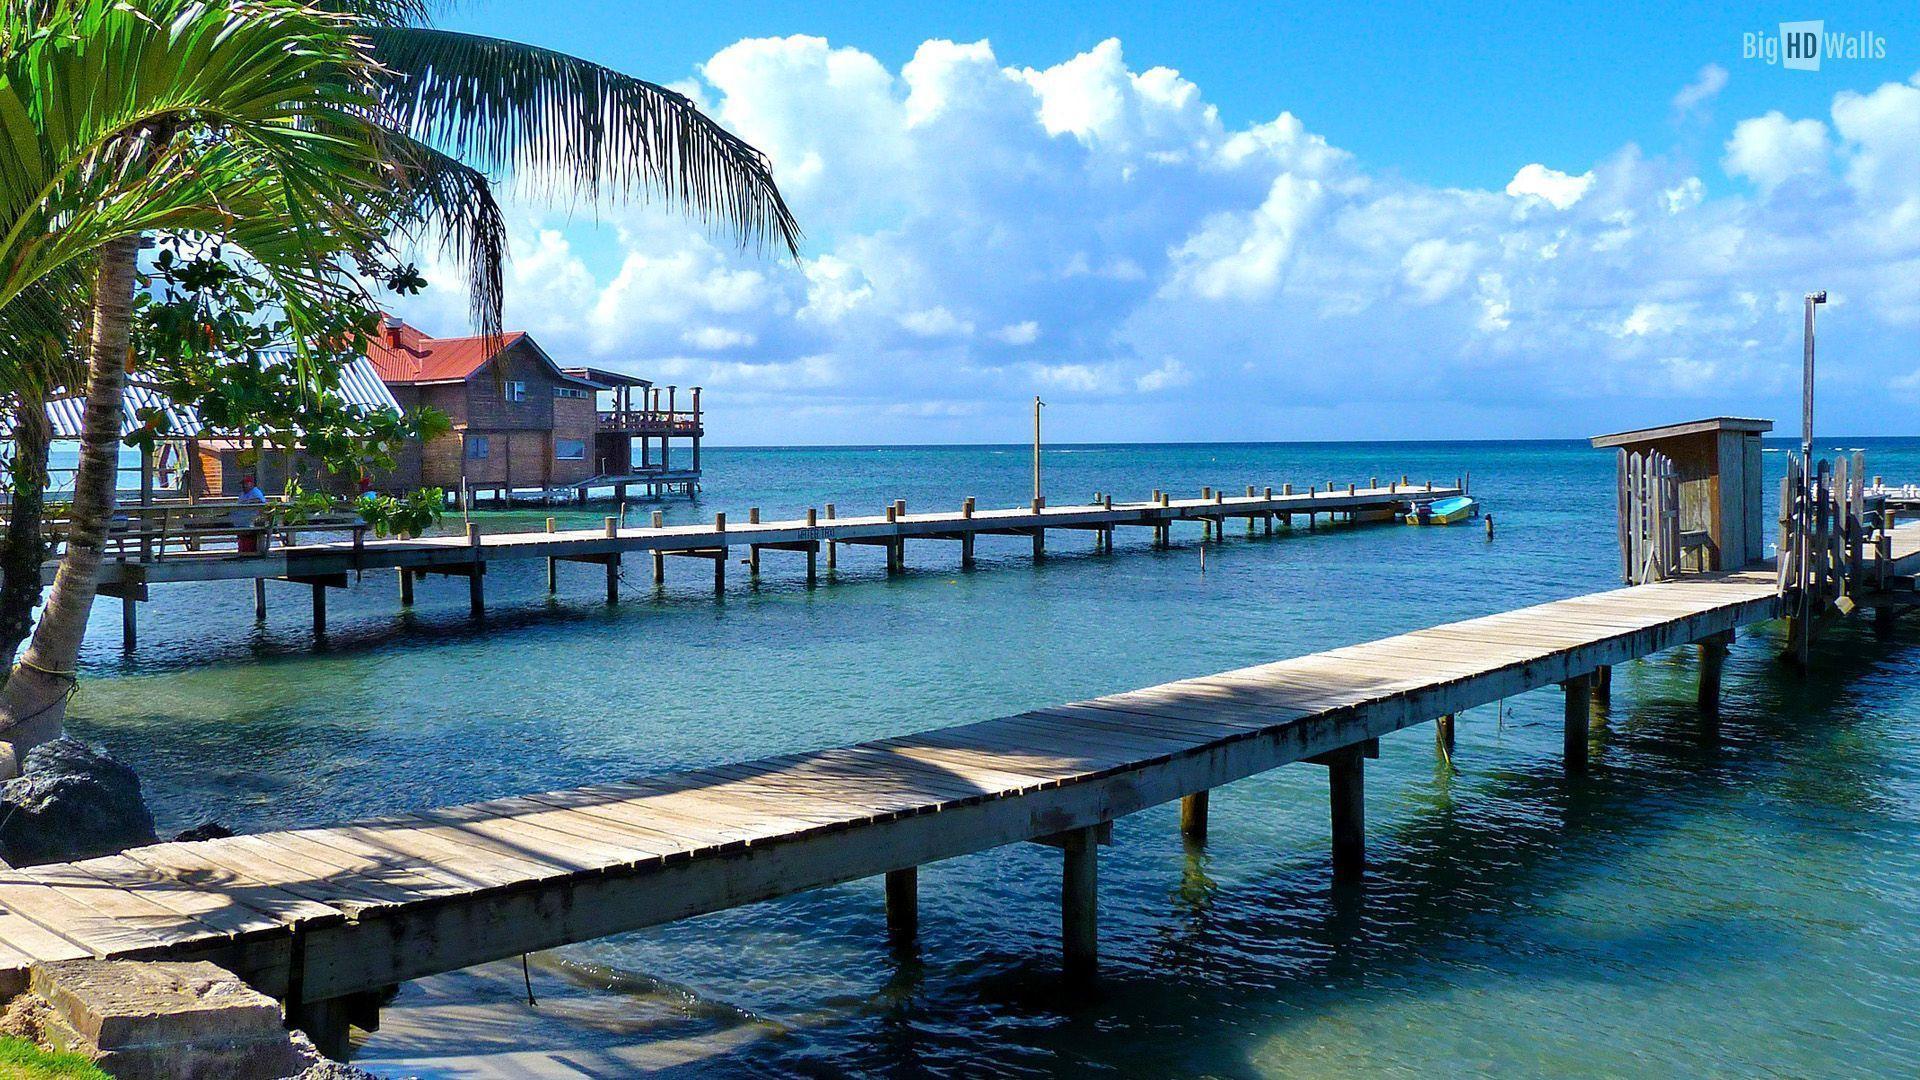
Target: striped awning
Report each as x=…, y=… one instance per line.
x=359, y=386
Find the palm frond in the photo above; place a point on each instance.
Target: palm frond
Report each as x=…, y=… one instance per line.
x=556, y=122
x=455, y=201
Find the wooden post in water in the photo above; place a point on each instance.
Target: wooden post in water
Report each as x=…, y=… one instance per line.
x=1193, y=816
x=476, y=575
x=720, y=556
x=553, y=568
x=319, y=610
x=1346, y=793
x=1713, y=660
x=903, y=906
x=1443, y=737
x=833, y=549
x=1080, y=903
x=613, y=564
x=1579, y=717
x=1603, y=685
x=129, y=625
x=659, y=556
x=406, y=587
x=259, y=599
x=1039, y=534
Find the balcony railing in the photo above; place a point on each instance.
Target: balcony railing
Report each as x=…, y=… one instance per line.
x=651, y=422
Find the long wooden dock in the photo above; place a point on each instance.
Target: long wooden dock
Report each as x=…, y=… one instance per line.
x=319, y=916
x=331, y=565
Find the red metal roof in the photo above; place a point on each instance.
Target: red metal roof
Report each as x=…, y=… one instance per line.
x=422, y=359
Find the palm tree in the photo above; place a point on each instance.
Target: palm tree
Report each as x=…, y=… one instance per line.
x=155, y=114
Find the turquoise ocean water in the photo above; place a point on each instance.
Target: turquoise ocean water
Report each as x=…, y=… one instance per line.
x=1750, y=906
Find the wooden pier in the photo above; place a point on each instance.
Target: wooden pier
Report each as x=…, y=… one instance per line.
x=326, y=917
x=145, y=560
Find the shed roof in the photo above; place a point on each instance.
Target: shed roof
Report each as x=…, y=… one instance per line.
x=359, y=385
x=1691, y=427
x=606, y=377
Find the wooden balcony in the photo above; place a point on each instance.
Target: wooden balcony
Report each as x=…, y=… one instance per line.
x=650, y=422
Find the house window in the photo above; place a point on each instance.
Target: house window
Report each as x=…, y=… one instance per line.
x=516, y=390
x=570, y=449
x=569, y=392
x=477, y=447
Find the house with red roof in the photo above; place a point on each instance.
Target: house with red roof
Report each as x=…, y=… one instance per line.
x=522, y=423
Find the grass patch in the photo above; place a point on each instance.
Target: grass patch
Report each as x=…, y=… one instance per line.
x=22, y=1060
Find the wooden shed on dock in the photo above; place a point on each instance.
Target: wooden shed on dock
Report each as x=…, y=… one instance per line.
x=1719, y=466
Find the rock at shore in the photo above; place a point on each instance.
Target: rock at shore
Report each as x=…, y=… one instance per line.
x=71, y=802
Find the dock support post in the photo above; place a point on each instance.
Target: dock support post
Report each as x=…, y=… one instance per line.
x=1579, y=716
x=966, y=550
x=1079, y=902
x=1346, y=792
x=476, y=575
x=753, y=561
x=553, y=568
x=1193, y=817
x=903, y=906
x=1443, y=737
x=326, y=1023
x=128, y=628
x=259, y=599
x=813, y=564
x=1603, y=685
x=319, y=611
x=406, y=587
x=1039, y=543
x=1713, y=660
x=659, y=567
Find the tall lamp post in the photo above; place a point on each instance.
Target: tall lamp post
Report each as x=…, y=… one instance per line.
x=1037, y=405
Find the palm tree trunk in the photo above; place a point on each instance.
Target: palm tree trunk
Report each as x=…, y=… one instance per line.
x=34, y=701
x=24, y=548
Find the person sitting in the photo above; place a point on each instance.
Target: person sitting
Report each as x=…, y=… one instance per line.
x=248, y=520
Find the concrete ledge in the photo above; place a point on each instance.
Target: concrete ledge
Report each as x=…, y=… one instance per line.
x=138, y=1020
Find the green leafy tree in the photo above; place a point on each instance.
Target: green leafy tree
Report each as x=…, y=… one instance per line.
x=303, y=137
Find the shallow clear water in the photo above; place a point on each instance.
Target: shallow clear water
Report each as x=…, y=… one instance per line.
x=1750, y=906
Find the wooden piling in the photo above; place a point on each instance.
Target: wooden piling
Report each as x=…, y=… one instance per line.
x=1603, y=685
x=833, y=549
x=966, y=549
x=1193, y=816
x=1713, y=660
x=813, y=560
x=613, y=564
x=129, y=629
x=1346, y=794
x=319, y=610
x=406, y=587
x=259, y=599
x=553, y=567
x=1443, y=736
x=1080, y=902
x=476, y=575
x=903, y=905
x=1579, y=716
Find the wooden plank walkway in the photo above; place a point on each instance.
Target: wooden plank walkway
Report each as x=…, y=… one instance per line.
x=316, y=914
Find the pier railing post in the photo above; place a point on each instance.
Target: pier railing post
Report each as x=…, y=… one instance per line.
x=1579, y=717
x=1080, y=903
x=553, y=567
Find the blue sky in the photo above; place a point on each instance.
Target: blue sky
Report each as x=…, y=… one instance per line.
x=1552, y=220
